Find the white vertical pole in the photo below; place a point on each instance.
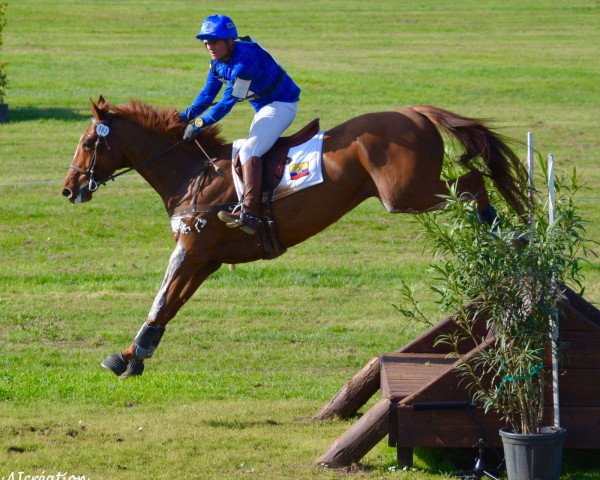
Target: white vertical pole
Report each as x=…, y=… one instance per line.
x=555, y=388
x=530, y=169
x=551, y=188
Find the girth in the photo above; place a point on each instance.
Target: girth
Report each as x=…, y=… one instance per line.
x=192, y=209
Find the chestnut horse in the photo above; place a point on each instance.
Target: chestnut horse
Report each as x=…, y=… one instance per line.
x=395, y=156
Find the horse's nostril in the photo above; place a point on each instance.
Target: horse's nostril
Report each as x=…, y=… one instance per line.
x=67, y=192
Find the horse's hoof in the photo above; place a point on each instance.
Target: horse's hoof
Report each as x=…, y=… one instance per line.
x=115, y=364
x=518, y=240
x=134, y=367
x=489, y=217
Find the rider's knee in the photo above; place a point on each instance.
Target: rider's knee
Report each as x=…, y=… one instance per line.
x=249, y=149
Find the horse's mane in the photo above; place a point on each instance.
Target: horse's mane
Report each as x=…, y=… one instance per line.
x=164, y=121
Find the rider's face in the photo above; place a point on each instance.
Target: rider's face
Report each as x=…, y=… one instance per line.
x=219, y=49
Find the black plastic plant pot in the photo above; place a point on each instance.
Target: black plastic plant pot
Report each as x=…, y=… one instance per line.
x=533, y=457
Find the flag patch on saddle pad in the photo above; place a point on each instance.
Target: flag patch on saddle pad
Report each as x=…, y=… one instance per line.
x=298, y=171
x=304, y=168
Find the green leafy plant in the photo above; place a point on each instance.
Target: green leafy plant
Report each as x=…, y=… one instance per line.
x=3, y=81
x=511, y=275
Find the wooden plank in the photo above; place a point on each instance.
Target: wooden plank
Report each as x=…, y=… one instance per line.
x=444, y=428
x=573, y=319
x=582, y=349
x=583, y=427
x=354, y=394
x=579, y=388
x=408, y=382
x=583, y=306
x=355, y=442
x=404, y=373
x=461, y=428
x=425, y=343
x=447, y=387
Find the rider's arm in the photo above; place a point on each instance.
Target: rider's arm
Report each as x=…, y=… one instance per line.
x=204, y=98
x=222, y=108
x=228, y=100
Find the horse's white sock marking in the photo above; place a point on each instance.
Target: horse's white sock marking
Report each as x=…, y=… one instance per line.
x=175, y=262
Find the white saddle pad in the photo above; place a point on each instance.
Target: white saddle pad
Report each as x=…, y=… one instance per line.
x=303, y=171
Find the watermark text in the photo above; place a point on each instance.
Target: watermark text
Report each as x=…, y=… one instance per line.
x=44, y=476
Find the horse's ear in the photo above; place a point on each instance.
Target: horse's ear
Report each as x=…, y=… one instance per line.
x=98, y=109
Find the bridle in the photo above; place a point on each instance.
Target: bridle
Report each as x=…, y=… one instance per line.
x=102, y=132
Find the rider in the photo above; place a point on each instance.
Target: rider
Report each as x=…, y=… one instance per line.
x=249, y=73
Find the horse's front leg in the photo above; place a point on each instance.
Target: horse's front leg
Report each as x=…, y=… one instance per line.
x=184, y=275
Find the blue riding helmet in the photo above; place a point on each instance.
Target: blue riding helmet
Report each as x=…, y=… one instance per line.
x=217, y=27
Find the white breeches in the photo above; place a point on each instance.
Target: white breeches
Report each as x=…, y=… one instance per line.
x=267, y=126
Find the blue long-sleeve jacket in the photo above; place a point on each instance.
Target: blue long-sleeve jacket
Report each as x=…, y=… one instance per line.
x=250, y=71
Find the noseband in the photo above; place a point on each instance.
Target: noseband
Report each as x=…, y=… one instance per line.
x=102, y=131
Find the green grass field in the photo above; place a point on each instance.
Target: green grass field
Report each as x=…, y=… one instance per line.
x=230, y=392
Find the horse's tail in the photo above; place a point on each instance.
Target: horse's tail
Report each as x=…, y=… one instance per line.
x=500, y=163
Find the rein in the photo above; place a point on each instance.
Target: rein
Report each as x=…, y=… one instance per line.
x=136, y=167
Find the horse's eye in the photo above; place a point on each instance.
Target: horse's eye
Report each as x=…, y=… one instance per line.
x=88, y=143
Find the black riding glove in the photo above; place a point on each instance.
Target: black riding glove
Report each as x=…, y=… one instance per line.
x=193, y=129
x=191, y=132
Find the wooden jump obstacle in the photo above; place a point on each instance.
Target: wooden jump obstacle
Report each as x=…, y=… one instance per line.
x=423, y=404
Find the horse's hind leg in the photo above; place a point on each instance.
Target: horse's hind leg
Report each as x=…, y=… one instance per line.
x=184, y=275
x=471, y=186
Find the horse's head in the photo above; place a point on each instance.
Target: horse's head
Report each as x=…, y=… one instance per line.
x=94, y=158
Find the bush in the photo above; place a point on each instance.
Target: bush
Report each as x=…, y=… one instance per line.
x=512, y=275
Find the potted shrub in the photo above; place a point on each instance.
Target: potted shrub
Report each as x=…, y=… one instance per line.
x=3, y=83
x=515, y=272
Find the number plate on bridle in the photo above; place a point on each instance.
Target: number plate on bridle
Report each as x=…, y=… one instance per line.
x=102, y=130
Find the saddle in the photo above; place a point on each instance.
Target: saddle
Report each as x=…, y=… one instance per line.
x=275, y=159
x=273, y=165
